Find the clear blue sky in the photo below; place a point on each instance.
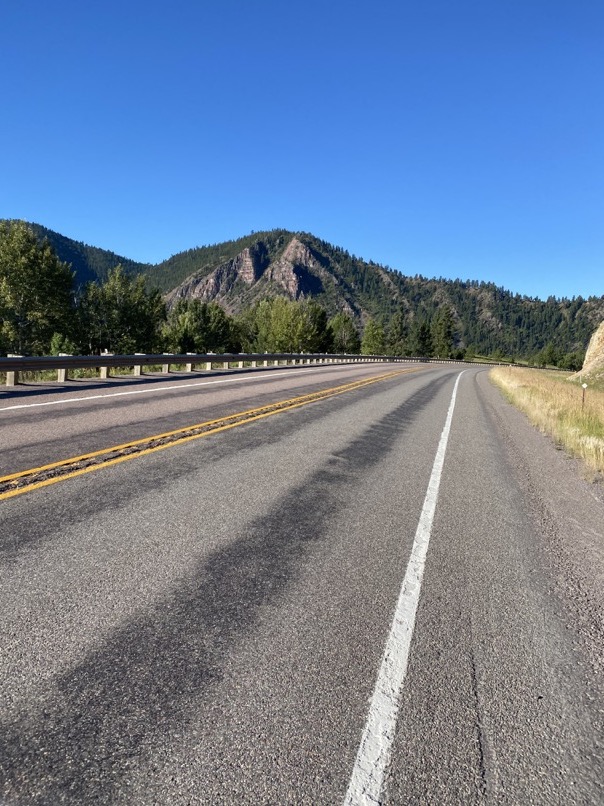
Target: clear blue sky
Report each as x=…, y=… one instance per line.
x=456, y=139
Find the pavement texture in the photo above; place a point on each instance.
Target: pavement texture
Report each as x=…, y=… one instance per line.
x=205, y=624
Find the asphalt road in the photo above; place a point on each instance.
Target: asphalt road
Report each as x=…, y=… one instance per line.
x=207, y=624
x=41, y=423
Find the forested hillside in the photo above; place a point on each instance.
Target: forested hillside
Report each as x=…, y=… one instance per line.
x=486, y=318
x=88, y=262
x=475, y=317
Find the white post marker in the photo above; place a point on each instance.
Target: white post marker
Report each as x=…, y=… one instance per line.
x=372, y=759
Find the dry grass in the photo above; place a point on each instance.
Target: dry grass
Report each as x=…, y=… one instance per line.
x=554, y=404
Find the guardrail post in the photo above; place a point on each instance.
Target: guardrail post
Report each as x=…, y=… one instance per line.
x=62, y=373
x=208, y=365
x=225, y=364
x=104, y=371
x=12, y=377
x=165, y=368
x=189, y=367
x=138, y=369
x=254, y=364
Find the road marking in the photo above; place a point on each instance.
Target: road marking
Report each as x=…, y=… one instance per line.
x=37, y=477
x=255, y=377
x=373, y=756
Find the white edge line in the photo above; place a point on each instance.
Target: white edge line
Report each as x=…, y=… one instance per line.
x=373, y=756
x=255, y=376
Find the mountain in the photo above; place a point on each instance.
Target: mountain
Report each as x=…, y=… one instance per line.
x=278, y=263
x=88, y=262
x=299, y=266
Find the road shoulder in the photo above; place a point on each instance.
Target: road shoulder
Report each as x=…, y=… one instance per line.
x=570, y=513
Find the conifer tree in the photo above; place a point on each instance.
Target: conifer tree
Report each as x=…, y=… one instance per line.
x=373, y=342
x=36, y=292
x=421, y=339
x=442, y=332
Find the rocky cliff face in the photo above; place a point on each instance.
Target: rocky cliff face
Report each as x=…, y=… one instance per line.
x=239, y=273
x=594, y=357
x=246, y=268
x=296, y=273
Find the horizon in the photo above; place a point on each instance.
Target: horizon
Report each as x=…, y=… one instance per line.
x=362, y=258
x=447, y=142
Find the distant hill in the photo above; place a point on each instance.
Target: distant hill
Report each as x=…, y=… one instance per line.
x=88, y=262
x=241, y=272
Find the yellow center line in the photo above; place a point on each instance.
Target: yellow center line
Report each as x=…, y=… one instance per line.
x=171, y=438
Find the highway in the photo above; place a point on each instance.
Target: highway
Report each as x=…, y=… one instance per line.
x=206, y=622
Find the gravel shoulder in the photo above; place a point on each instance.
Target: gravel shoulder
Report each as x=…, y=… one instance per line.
x=568, y=509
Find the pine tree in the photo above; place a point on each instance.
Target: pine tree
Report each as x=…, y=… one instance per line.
x=373, y=342
x=442, y=332
x=421, y=339
x=36, y=292
x=398, y=333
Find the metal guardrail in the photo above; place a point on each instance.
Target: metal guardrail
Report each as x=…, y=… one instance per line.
x=13, y=365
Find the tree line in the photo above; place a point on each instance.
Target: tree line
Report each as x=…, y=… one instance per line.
x=42, y=312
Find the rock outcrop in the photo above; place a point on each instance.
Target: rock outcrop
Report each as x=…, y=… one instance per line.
x=296, y=273
x=246, y=268
x=594, y=357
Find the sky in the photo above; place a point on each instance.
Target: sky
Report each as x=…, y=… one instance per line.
x=449, y=139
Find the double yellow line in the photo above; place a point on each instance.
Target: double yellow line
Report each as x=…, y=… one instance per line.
x=37, y=477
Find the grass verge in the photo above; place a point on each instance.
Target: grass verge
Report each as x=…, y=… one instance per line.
x=554, y=403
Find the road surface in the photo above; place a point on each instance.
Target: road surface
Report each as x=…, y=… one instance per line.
x=207, y=623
